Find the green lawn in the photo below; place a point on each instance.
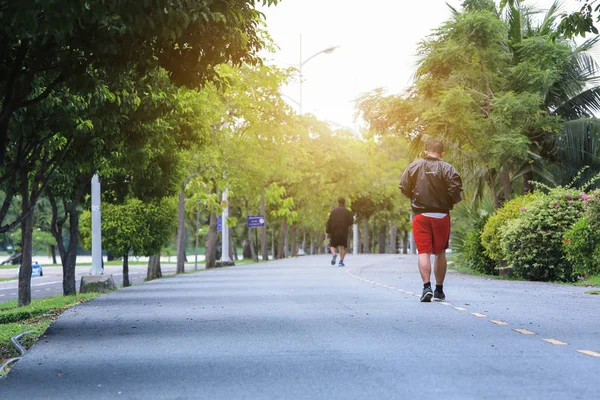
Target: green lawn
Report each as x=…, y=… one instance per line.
x=35, y=317
x=7, y=279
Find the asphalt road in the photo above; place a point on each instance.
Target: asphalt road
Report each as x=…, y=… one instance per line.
x=51, y=283
x=302, y=329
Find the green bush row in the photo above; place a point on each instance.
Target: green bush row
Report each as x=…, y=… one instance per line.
x=551, y=236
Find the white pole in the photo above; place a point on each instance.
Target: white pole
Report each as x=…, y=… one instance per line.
x=97, y=268
x=225, y=229
x=197, y=229
x=355, y=239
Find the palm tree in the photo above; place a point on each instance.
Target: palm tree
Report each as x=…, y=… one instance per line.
x=573, y=97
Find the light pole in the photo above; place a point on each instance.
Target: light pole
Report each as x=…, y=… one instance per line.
x=301, y=64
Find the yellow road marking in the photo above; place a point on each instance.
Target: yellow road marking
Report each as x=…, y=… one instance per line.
x=37, y=291
x=556, y=342
x=479, y=315
x=2, y=295
x=524, y=331
x=498, y=322
x=410, y=293
x=460, y=308
x=48, y=289
x=445, y=303
x=589, y=353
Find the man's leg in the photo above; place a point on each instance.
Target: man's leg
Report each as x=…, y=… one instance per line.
x=342, y=253
x=334, y=252
x=425, y=266
x=440, y=268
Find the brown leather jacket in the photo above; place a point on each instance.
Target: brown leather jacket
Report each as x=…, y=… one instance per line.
x=432, y=185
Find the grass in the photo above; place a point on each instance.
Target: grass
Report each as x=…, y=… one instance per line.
x=7, y=279
x=594, y=292
x=35, y=317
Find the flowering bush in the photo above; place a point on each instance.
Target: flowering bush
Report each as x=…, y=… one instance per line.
x=490, y=237
x=532, y=243
x=582, y=242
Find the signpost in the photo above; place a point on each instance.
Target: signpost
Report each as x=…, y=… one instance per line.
x=256, y=221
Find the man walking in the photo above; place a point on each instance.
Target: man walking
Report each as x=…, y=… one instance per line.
x=338, y=223
x=434, y=187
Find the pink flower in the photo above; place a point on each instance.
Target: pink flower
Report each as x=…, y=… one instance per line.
x=567, y=241
x=569, y=197
x=523, y=209
x=583, y=196
x=556, y=205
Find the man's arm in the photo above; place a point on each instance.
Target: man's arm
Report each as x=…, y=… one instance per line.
x=328, y=225
x=406, y=183
x=454, y=185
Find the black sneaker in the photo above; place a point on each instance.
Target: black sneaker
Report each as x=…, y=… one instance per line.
x=427, y=295
x=438, y=295
x=333, y=259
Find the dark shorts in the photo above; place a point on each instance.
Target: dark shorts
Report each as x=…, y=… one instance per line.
x=431, y=234
x=339, y=239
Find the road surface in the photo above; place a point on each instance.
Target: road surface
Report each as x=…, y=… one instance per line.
x=302, y=329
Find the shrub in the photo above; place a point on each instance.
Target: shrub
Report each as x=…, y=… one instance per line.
x=473, y=254
x=582, y=248
x=533, y=242
x=490, y=237
x=582, y=241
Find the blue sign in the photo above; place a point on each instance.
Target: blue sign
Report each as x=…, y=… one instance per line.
x=256, y=221
x=219, y=223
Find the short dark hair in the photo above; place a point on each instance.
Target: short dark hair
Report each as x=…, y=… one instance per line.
x=342, y=201
x=435, y=146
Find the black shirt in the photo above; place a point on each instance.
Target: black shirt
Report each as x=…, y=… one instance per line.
x=339, y=220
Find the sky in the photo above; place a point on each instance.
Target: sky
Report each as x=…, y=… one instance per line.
x=378, y=42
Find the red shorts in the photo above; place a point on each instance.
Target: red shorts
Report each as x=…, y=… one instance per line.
x=431, y=234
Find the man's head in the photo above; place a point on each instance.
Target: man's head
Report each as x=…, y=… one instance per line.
x=342, y=202
x=434, y=148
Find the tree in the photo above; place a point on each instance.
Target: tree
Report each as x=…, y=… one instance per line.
x=580, y=22
x=133, y=228
x=59, y=41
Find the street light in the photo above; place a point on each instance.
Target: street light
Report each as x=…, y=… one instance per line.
x=301, y=64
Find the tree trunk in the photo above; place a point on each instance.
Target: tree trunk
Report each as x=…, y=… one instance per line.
x=286, y=240
x=492, y=183
x=263, y=230
x=294, y=251
x=181, y=232
x=303, y=241
x=249, y=236
x=282, y=239
x=382, y=237
x=273, y=242
x=527, y=178
x=26, y=254
x=312, y=243
x=252, y=249
x=70, y=258
x=211, y=242
x=506, y=185
x=365, y=238
x=53, y=254
x=126, y=270
x=393, y=246
x=154, y=270
x=405, y=243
